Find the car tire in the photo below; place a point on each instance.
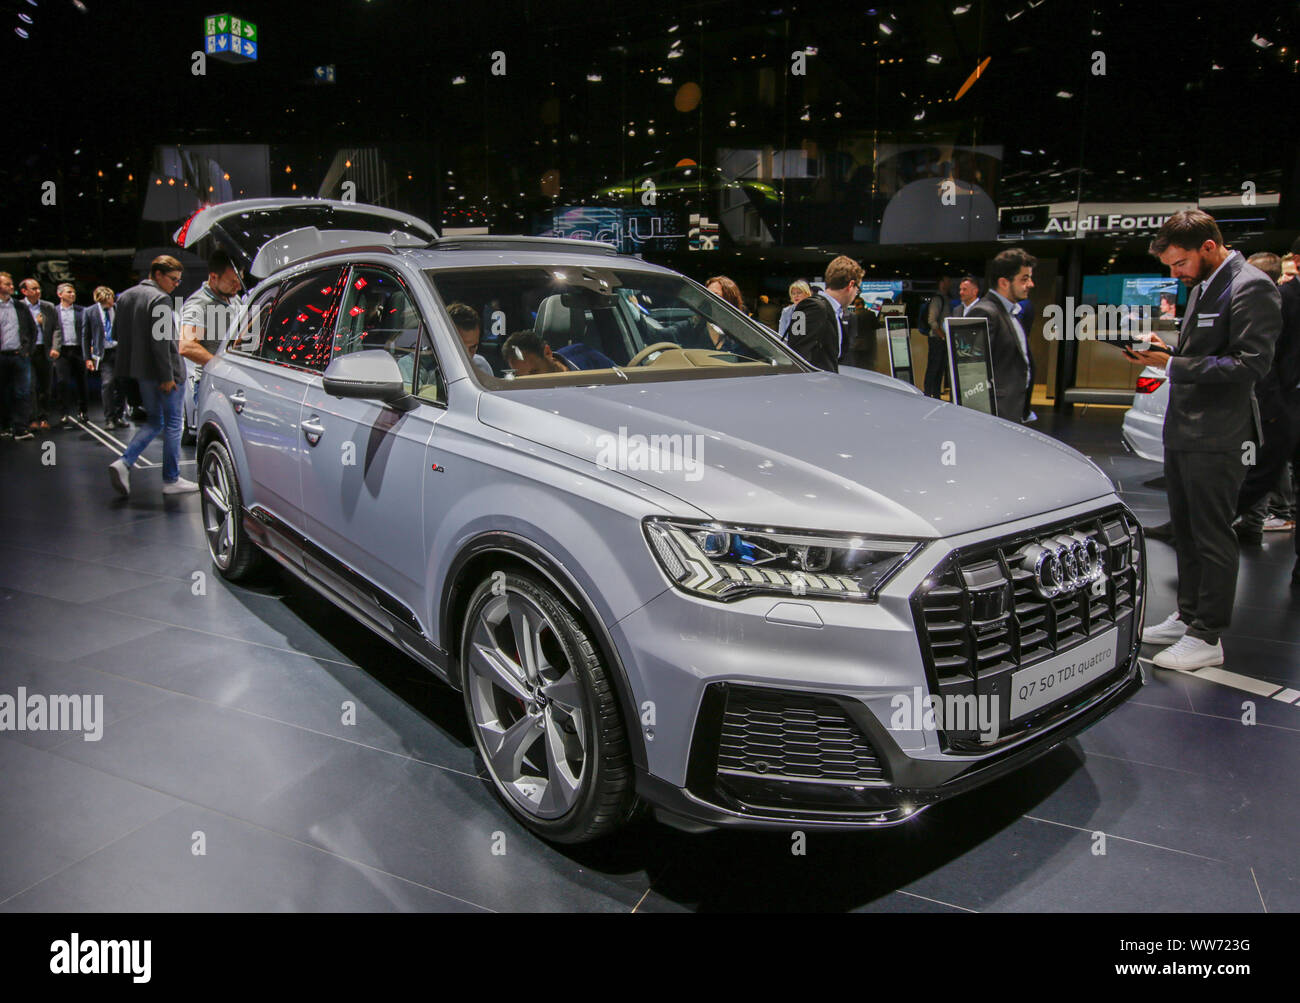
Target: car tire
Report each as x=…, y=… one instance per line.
x=531, y=716
x=235, y=556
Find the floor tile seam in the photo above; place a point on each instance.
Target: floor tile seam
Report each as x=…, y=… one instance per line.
x=86, y=560
x=1127, y=839
x=54, y=874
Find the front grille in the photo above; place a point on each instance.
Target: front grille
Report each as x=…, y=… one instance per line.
x=781, y=735
x=979, y=617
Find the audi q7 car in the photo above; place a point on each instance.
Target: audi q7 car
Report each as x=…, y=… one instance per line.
x=713, y=581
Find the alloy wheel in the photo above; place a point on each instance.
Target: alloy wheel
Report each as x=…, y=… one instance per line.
x=529, y=706
x=218, y=510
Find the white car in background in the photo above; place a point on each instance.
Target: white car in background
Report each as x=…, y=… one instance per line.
x=1144, y=422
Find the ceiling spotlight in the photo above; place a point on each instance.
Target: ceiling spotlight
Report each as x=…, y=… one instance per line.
x=1012, y=17
x=457, y=80
x=884, y=27
x=79, y=5
x=1064, y=94
x=961, y=8
x=1261, y=41
x=24, y=17
x=21, y=32
x=919, y=115
x=934, y=59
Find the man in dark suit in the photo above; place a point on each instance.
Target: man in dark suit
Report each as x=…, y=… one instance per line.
x=46, y=320
x=816, y=325
x=1212, y=426
x=69, y=364
x=1279, y=409
x=1011, y=277
x=99, y=345
x=148, y=352
x=17, y=334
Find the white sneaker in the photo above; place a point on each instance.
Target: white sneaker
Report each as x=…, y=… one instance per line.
x=1275, y=525
x=180, y=486
x=120, y=477
x=1167, y=631
x=1190, y=653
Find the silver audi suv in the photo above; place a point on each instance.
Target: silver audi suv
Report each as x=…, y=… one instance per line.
x=666, y=562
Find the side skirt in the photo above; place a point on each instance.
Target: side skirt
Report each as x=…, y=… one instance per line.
x=353, y=593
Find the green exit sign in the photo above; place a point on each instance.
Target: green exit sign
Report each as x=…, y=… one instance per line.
x=230, y=38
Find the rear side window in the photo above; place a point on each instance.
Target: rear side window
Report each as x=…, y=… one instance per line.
x=249, y=337
x=300, y=331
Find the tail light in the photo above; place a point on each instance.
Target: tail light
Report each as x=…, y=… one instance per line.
x=1148, y=384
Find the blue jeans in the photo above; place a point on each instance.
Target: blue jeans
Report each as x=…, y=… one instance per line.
x=165, y=413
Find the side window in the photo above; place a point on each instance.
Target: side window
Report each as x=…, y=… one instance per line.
x=249, y=338
x=378, y=312
x=301, y=326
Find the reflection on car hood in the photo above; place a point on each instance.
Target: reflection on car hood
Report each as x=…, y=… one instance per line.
x=814, y=450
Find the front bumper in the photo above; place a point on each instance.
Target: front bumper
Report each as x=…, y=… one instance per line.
x=832, y=757
x=681, y=808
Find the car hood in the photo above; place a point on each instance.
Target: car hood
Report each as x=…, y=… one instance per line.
x=808, y=450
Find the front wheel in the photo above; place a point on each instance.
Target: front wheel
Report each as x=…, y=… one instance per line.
x=543, y=710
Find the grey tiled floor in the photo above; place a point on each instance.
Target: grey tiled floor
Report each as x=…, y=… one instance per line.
x=224, y=733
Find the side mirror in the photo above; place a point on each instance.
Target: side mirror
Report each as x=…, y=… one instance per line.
x=370, y=375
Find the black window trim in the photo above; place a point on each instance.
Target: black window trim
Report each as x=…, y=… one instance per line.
x=425, y=332
x=281, y=285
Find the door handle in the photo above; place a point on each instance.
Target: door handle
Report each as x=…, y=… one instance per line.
x=238, y=401
x=313, y=429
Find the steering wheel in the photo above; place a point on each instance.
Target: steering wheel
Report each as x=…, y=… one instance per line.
x=641, y=356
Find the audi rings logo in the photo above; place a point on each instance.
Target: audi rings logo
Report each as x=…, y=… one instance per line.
x=1062, y=563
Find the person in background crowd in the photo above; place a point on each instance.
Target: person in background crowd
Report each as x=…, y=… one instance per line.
x=724, y=288
x=47, y=322
x=1279, y=409
x=69, y=363
x=470, y=329
x=968, y=291
x=528, y=355
x=1011, y=279
x=936, y=359
x=816, y=330
x=17, y=336
x=99, y=346
x=1289, y=268
x=153, y=361
x=1233, y=319
x=208, y=315
x=799, y=289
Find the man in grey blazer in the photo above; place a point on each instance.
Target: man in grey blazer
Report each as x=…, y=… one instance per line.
x=1011, y=277
x=1212, y=426
x=148, y=352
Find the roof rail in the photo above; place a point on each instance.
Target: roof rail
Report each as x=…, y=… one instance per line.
x=487, y=242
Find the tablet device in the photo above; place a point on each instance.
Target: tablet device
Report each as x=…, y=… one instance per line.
x=970, y=363
x=898, y=331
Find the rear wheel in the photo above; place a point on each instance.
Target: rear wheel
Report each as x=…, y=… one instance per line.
x=543, y=711
x=235, y=555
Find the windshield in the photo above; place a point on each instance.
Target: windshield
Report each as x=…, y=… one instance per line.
x=581, y=325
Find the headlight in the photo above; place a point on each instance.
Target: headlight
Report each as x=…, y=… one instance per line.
x=721, y=562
